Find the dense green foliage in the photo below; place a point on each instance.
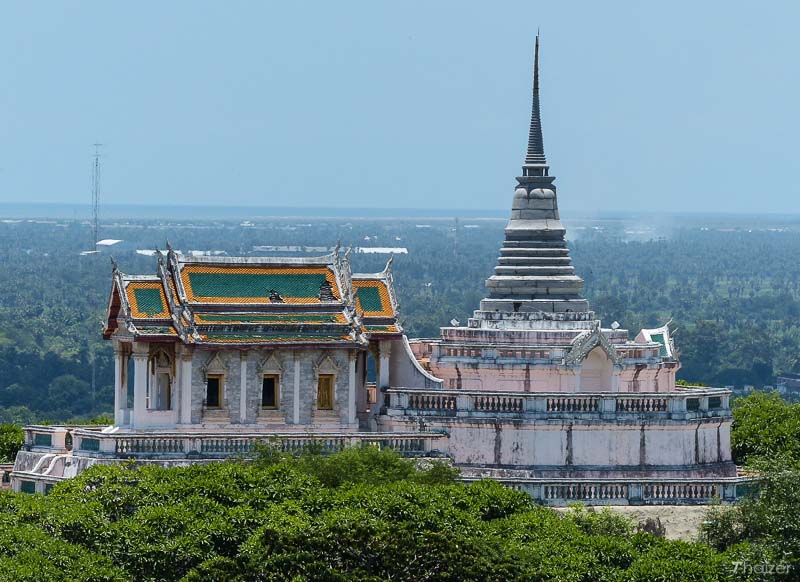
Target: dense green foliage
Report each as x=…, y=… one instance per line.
x=361, y=515
x=11, y=439
x=733, y=291
x=766, y=427
x=766, y=524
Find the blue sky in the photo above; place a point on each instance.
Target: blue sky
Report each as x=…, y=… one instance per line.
x=678, y=106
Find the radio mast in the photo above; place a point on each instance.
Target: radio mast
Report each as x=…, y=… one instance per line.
x=96, y=196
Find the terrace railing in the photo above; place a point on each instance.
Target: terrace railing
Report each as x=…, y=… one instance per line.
x=195, y=444
x=684, y=404
x=561, y=492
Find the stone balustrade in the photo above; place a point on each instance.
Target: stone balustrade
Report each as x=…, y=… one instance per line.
x=50, y=438
x=561, y=492
x=186, y=444
x=684, y=404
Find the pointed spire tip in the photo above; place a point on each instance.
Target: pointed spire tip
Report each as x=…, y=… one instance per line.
x=535, y=153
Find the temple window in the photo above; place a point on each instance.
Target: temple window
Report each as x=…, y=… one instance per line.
x=325, y=392
x=214, y=384
x=269, y=391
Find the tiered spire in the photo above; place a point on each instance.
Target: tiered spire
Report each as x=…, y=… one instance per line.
x=535, y=153
x=534, y=273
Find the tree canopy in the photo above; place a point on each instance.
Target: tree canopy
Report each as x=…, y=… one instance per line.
x=362, y=514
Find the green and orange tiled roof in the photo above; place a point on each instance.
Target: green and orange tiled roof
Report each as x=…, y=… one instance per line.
x=290, y=338
x=147, y=300
x=247, y=284
x=247, y=301
x=262, y=318
x=381, y=328
x=374, y=305
x=372, y=298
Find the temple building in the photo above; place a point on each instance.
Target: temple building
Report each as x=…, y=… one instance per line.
x=216, y=343
x=214, y=355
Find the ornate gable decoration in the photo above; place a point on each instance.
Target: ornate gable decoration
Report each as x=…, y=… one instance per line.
x=586, y=342
x=270, y=365
x=326, y=365
x=214, y=365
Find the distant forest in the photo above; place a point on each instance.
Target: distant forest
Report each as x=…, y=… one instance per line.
x=731, y=291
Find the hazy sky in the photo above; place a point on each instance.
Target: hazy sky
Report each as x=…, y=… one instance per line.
x=654, y=106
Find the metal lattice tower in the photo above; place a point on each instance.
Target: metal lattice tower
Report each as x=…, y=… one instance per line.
x=96, y=195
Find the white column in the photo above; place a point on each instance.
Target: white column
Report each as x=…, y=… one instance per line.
x=186, y=386
x=140, y=353
x=119, y=403
x=243, y=392
x=296, y=396
x=351, y=389
x=384, y=349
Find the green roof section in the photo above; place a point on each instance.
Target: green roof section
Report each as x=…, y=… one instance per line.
x=242, y=337
x=659, y=338
x=147, y=329
x=256, y=285
x=370, y=299
x=284, y=318
x=149, y=301
x=380, y=328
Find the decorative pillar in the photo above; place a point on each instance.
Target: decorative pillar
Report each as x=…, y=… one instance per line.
x=384, y=349
x=243, y=392
x=186, y=385
x=296, y=394
x=351, y=388
x=120, y=385
x=615, y=373
x=140, y=355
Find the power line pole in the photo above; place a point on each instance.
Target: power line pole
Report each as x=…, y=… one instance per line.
x=96, y=196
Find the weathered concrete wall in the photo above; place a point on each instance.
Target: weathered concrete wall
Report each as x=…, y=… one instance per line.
x=405, y=370
x=608, y=448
